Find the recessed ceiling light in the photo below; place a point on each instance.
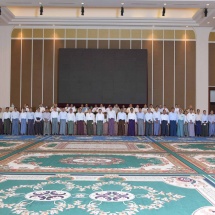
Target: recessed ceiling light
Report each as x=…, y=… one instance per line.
x=82, y=3
x=207, y=4
x=122, y=3
x=164, y=4
x=187, y=26
x=208, y=22
x=214, y=17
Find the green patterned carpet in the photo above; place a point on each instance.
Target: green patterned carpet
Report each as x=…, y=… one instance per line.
x=110, y=176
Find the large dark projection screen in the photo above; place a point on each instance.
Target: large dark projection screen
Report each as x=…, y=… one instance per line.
x=105, y=76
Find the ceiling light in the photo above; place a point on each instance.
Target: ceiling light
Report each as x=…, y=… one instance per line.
x=41, y=9
x=164, y=4
x=163, y=11
x=206, y=12
x=207, y=4
x=122, y=9
x=208, y=22
x=82, y=9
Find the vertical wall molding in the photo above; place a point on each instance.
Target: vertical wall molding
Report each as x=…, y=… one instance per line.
x=32, y=58
x=152, y=63
x=185, y=71
x=42, y=65
x=53, y=72
x=163, y=71
x=20, y=105
x=174, y=72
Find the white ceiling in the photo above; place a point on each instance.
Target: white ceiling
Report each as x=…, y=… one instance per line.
x=137, y=13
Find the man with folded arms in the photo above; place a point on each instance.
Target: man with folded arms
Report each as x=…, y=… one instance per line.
x=71, y=119
x=38, y=117
x=90, y=120
x=30, y=120
x=100, y=120
x=80, y=119
x=46, y=122
x=211, y=119
x=54, y=121
x=121, y=120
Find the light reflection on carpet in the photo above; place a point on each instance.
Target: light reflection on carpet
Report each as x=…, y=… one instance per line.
x=190, y=147
x=97, y=146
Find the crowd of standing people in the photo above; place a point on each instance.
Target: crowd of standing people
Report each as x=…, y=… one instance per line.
x=148, y=120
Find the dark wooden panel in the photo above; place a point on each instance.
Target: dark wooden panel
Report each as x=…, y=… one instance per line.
x=81, y=44
x=48, y=73
x=26, y=72
x=211, y=64
x=114, y=44
x=169, y=73
x=103, y=44
x=92, y=44
x=15, y=72
x=147, y=44
x=158, y=73
x=58, y=44
x=180, y=73
x=191, y=73
x=125, y=44
x=136, y=44
x=37, y=72
x=70, y=44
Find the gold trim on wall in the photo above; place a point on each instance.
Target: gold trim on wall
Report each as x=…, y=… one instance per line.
x=212, y=36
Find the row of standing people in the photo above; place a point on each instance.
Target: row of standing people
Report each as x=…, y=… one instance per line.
x=150, y=123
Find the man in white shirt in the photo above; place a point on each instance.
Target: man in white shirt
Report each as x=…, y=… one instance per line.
x=116, y=108
x=30, y=120
x=7, y=121
x=157, y=121
x=136, y=109
x=90, y=120
x=129, y=108
x=100, y=120
x=54, y=121
x=191, y=118
x=1, y=121
x=80, y=119
x=71, y=119
x=211, y=119
x=121, y=120
x=62, y=119
x=164, y=124
x=46, y=122
x=204, y=124
x=38, y=117
x=102, y=108
x=148, y=121
x=177, y=107
x=95, y=109
x=15, y=122
x=173, y=119
x=23, y=121
x=198, y=119
x=42, y=109
x=140, y=122
x=132, y=119
x=111, y=118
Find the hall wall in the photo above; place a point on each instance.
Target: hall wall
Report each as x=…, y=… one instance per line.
x=171, y=61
